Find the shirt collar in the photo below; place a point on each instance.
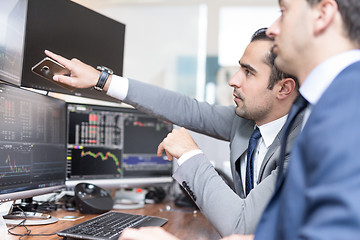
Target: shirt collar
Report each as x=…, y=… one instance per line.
x=322, y=76
x=270, y=130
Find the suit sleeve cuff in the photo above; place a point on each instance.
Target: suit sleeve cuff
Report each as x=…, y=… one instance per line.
x=118, y=87
x=188, y=155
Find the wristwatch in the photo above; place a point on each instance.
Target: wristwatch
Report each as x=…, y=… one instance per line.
x=104, y=75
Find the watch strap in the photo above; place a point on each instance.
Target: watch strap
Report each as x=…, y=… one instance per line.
x=104, y=75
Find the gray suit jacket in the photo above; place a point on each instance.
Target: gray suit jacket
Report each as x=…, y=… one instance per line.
x=228, y=212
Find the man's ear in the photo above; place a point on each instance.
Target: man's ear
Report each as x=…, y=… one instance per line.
x=324, y=15
x=285, y=88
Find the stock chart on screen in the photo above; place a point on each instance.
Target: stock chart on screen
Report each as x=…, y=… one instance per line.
x=114, y=142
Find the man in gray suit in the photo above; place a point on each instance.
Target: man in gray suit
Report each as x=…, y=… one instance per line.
x=263, y=96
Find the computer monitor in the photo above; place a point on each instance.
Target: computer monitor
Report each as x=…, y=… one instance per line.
x=64, y=27
x=32, y=143
x=115, y=147
x=12, y=37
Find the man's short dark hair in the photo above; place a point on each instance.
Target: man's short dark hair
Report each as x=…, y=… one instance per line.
x=276, y=75
x=350, y=14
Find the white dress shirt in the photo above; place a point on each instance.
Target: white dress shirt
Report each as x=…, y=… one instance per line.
x=268, y=133
x=323, y=75
x=118, y=87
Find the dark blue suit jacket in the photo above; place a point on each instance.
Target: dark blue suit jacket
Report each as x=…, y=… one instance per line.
x=320, y=196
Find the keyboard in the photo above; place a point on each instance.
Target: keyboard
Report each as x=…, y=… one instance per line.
x=109, y=225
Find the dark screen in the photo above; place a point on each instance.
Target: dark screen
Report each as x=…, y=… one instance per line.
x=72, y=31
x=12, y=34
x=32, y=141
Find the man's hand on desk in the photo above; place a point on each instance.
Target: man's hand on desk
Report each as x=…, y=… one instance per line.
x=158, y=233
x=146, y=233
x=177, y=143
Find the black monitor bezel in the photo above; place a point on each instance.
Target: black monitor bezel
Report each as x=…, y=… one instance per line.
x=113, y=182
x=21, y=192
x=34, y=53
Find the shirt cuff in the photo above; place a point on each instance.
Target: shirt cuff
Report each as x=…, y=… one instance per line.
x=118, y=87
x=188, y=155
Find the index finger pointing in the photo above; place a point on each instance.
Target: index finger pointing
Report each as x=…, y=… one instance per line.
x=64, y=61
x=160, y=149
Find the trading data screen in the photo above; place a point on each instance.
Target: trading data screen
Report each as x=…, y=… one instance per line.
x=142, y=135
x=32, y=140
x=113, y=142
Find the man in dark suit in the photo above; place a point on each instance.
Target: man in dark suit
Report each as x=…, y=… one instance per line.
x=318, y=197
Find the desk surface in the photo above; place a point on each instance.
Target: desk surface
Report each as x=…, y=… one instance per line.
x=183, y=224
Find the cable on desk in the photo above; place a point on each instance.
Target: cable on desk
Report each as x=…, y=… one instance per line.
x=28, y=231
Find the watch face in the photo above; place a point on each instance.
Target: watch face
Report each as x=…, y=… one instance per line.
x=110, y=71
x=98, y=89
x=103, y=68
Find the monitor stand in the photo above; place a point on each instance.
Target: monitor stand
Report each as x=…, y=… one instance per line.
x=15, y=216
x=129, y=199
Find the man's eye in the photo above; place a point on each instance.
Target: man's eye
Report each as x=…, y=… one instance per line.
x=247, y=72
x=282, y=12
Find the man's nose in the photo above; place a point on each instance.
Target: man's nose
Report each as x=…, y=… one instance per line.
x=236, y=80
x=274, y=29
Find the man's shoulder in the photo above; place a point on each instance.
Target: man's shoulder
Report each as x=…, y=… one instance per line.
x=243, y=123
x=242, y=128
x=350, y=71
x=345, y=86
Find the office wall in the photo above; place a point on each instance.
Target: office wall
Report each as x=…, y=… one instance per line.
x=155, y=49
x=170, y=44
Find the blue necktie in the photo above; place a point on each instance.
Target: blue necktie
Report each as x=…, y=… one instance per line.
x=298, y=106
x=250, y=160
